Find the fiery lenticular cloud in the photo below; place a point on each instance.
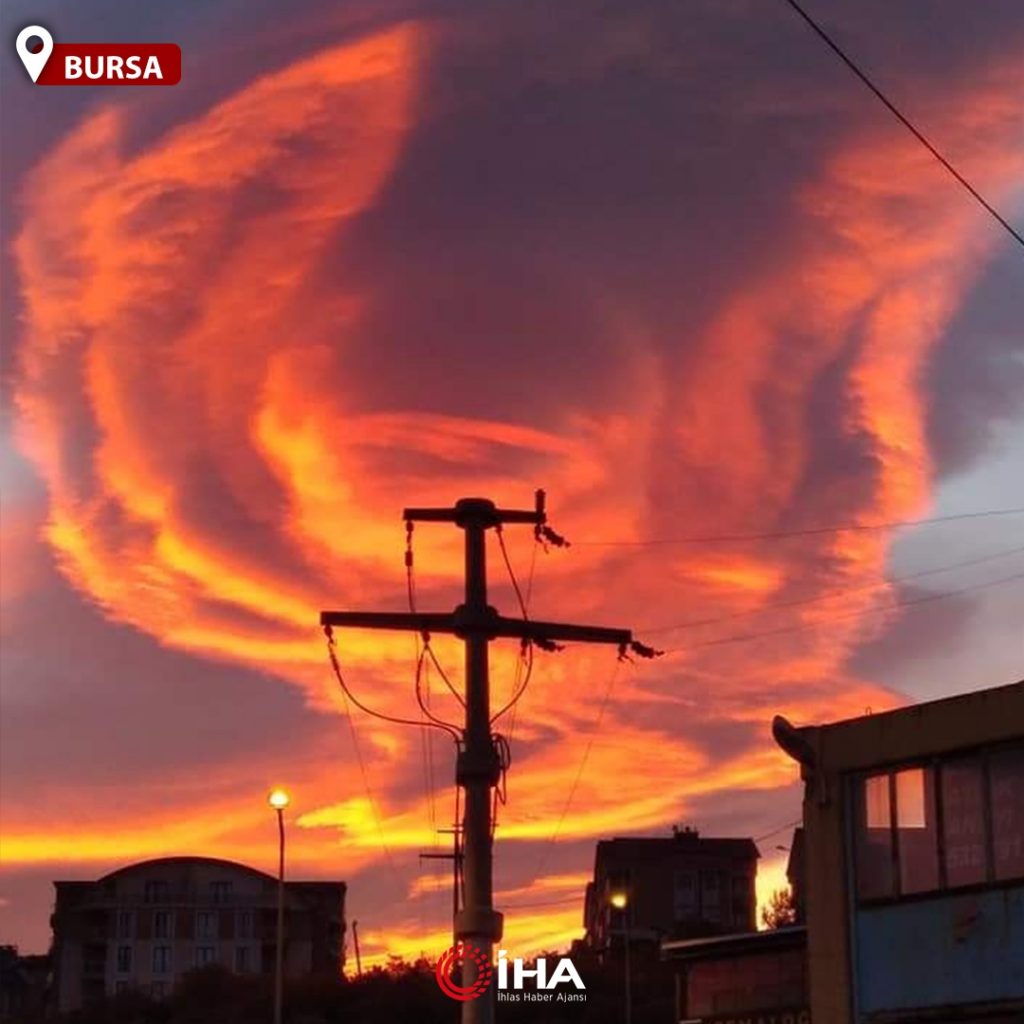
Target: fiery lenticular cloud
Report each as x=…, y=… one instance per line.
x=217, y=471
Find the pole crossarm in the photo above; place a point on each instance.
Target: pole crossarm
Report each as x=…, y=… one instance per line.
x=490, y=625
x=530, y=629
x=416, y=622
x=480, y=512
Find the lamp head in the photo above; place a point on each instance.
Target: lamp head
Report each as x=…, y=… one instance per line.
x=618, y=900
x=279, y=799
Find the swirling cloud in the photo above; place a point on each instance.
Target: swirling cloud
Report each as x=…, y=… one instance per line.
x=215, y=384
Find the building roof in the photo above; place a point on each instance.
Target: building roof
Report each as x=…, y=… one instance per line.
x=655, y=848
x=717, y=946
x=158, y=863
x=967, y=720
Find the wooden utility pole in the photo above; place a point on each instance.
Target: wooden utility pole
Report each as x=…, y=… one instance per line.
x=478, y=766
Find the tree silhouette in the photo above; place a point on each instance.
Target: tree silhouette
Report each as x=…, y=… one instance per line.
x=780, y=911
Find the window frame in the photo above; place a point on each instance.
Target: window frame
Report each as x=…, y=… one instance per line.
x=166, y=917
x=854, y=781
x=124, y=958
x=221, y=891
x=204, y=955
x=156, y=890
x=210, y=927
x=999, y=752
x=163, y=960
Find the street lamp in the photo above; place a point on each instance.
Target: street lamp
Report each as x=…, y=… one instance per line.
x=620, y=901
x=279, y=800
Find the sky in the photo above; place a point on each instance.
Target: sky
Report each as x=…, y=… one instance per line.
x=669, y=261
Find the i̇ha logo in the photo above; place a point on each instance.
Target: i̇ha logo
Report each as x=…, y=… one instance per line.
x=50, y=63
x=462, y=955
x=474, y=963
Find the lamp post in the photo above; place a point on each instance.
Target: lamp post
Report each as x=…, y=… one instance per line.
x=279, y=800
x=620, y=901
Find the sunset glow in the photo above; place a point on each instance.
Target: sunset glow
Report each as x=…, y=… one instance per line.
x=387, y=263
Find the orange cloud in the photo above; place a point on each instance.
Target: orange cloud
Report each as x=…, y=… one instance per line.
x=216, y=476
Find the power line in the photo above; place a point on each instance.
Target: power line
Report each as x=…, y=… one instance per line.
x=549, y=844
x=732, y=538
x=776, y=831
x=519, y=665
x=374, y=810
x=524, y=667
x=827, y=620
x=797, y=602
x=422, y=698
x=529, y=578
x=444, y=675
x=905, y=121
x=544, y=903
x=421, y=666
x=511, y=572
x=394, y=719
x=553, y=838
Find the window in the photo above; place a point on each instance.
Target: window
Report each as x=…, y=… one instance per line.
x=710, y=896
x=1006, y=779
x=916, y=831
x=124, y=959
x=877, y=811
x=162, y=924
x=161, y=959
x=94, y=958
x=206, y=924
x=241, y=959
x=204, y=955
x=220, y=892
x=685, y=896
x=873, y=853
x=125, y=925
x=618, y=917
x=741, y=901
x=954, y=822
x=243, y=924
x=896, y=841
x=155, y=891
x=963, y=821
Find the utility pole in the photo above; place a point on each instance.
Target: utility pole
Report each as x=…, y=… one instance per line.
x=456, y=858
x=355, y=939
x=478, y=766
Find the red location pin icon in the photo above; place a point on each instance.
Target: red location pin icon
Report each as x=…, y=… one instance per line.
x=34, y=62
